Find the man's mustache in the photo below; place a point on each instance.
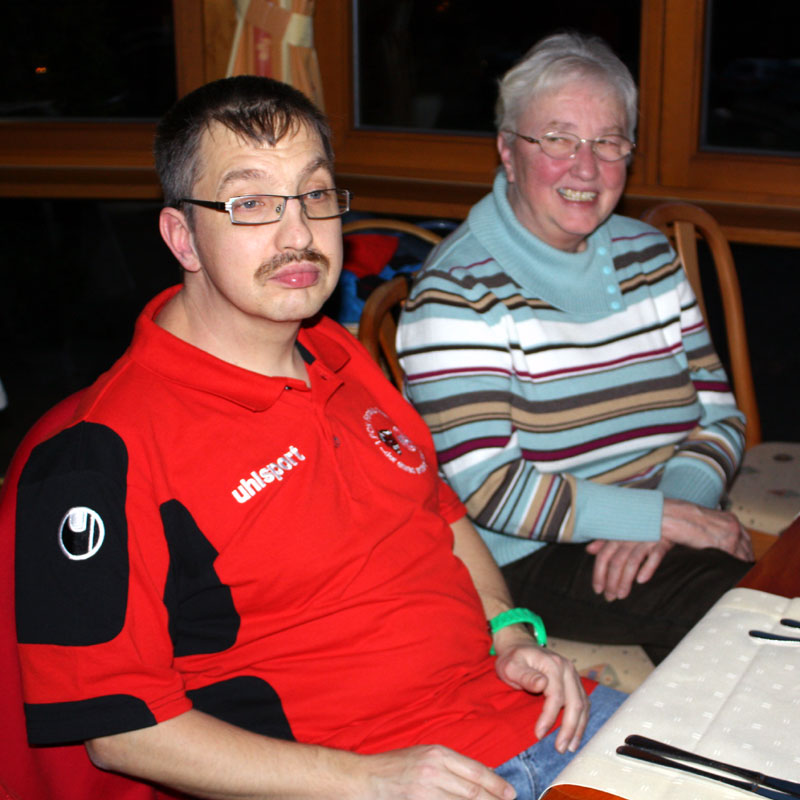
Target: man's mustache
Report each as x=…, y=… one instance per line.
x=269, y=268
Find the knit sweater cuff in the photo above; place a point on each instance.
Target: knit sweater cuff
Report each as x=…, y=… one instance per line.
x=614, y=512
x=690, y=479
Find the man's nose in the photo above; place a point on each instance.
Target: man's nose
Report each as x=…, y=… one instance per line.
x=293, y=228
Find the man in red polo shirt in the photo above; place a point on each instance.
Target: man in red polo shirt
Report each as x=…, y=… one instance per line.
x=237, y=570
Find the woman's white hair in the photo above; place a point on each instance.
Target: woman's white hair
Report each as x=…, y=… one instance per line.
x=560, y=59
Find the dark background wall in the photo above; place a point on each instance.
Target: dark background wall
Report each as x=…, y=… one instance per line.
x=74, y=275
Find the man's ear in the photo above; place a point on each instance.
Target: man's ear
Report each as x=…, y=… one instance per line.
x=506, y=156
x=175, y=231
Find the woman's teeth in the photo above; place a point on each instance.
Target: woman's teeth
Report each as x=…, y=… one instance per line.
x=572, y=194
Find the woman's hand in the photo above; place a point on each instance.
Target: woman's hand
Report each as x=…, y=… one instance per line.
x=695, y=526
x=618, y=564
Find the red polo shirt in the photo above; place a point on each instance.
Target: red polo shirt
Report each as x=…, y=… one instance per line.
x=276, y=554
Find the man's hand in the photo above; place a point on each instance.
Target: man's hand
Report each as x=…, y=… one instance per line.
x=206, y=757
x=524, y=665
x=431, y=772
x=695, y=526
x=618, y=564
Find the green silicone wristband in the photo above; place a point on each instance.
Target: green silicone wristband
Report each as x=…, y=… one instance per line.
x=519, y=615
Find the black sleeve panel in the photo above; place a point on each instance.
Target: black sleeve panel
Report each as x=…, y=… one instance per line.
x=72, y=539
x=247, y=702
x=65, y=723
x=202, y=616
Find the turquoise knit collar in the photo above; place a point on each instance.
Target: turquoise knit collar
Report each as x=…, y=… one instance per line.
x=572, y=282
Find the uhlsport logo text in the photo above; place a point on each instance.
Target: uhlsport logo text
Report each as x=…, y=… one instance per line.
x=274, y=471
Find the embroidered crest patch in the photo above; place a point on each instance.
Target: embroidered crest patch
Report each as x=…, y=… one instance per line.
x=393, y=443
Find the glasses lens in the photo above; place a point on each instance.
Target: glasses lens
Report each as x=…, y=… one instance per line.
x=257, y=209
x=261, y=209
x=559, y=145
x=326, y=203
x=564, y=145
x=611, y=148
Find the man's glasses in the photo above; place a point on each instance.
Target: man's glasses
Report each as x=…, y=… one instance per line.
x=263, y=209
x=560, y=145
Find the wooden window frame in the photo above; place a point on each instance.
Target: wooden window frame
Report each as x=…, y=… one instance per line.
x=106, y=158
x=757, y=198
x=439, y=175
x=728, y=176
x=436, y=174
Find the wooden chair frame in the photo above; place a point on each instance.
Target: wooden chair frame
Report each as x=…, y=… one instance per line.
x=377, y=328
x=398, y=225
x=683, y=223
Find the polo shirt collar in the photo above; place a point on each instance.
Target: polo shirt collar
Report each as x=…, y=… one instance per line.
x=176, y=360
x=312, y=339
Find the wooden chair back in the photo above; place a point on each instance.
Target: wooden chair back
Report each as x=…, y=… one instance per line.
x=377, y=328
x=394, y=225
x=378, y=325
x=683, y=223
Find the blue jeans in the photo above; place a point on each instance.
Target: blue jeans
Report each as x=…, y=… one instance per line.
x=533, y=770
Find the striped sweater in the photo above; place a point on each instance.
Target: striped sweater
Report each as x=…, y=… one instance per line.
x=568, y=393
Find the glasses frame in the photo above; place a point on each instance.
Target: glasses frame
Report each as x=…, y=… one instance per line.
x=227, y=205
x=580, y=141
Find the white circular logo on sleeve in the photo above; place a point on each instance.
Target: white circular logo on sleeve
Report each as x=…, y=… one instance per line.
x=81, y=533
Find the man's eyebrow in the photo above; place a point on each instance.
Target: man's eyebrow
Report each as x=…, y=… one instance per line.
x=315, y=165
x=248, y=174
x=255, y=174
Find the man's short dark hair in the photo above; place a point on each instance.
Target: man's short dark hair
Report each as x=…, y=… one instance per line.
x=257, y=109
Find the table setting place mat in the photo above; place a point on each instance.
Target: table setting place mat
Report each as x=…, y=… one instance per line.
x=720, y=693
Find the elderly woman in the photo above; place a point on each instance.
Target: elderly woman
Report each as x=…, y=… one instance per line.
x=559, y=356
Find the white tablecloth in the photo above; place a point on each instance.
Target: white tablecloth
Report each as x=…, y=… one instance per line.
x=720, y=693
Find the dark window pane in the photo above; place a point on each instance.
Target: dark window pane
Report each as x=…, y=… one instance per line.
x=752, y=78
x=434, y=64
x=86, y=58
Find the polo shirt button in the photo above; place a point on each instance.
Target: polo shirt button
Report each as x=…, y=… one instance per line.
x=336, y=441
x=611, y=289
x=601, y=251
x=287, y=388
x=616, y=305
x=607, y=270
